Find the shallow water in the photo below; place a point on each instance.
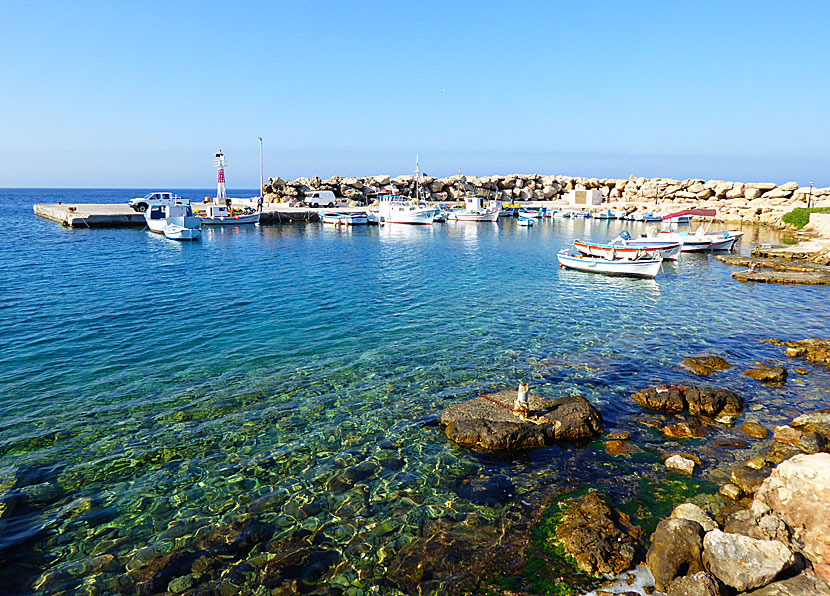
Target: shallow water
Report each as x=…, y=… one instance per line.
x=294, y=372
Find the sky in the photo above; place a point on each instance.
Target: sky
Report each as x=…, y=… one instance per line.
x=118, y=94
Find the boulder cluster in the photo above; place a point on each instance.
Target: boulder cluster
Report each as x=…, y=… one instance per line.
x=776, y=546
x=735, y=201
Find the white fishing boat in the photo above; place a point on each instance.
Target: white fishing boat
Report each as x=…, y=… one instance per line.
x=178, y=218
x=702, y=239
x=620, y=248
x=220, y=215
x=531, y=213
x=524, y=221
x=641, y=267
x=396, y=209
x=474, y=210
x=344, y=219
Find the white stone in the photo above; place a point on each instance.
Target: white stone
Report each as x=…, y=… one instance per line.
x=680, y=464
x=692, y=512
x=743, y=562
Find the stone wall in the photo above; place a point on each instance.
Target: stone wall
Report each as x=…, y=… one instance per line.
x=762, y=202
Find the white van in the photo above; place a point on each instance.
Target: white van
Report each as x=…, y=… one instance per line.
x=318, y=198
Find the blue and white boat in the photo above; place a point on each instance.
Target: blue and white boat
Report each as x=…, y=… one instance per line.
x=645, y=266
x=524, y=221
x=531, y=213
x=175, y=221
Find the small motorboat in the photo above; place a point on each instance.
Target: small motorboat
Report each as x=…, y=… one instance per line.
x=524, y=221
x=175, y=221
x=644, y=266
x=531, y=213
x=624, y=249
x=344, y=219
x=604, y=214
x=177, y=232
x=440, y=217
x=702, y=239
x=221, y=215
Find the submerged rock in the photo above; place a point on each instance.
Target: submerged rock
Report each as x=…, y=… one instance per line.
x=601, y=540
x=676, y=550
x=754, y=429
x=706, y=365
x=685, y=430
x=721, y=404
x=490, y=423
x=768, y=374
x=748, y=479
x=744, y=563
x=678, y=463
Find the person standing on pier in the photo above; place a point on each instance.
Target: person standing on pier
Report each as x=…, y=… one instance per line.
x=259, y=204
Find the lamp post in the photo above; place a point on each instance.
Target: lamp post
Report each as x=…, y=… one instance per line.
x=810, y=198
x=260, y=166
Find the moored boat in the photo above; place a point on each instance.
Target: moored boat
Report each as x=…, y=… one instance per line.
x=344, y=219
x=623, y=249
x=640, y=267
x=524, y=221
x=178, y=218
x=702, y=239
x=474, y=210
x=221, y=215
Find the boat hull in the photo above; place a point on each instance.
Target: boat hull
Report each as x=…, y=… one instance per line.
x=174, y=232
x=624, y=268
x=230, y=220
x=344, y=219
x=475, y=217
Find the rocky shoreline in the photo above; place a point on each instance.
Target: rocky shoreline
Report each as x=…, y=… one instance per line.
x=766, y=534
x=738, y=202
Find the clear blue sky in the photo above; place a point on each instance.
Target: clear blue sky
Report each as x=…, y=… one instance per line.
x=143, y=94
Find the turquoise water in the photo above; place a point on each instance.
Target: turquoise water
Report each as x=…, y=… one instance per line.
x=292, y=374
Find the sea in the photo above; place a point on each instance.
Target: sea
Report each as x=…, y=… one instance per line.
x=154, y=392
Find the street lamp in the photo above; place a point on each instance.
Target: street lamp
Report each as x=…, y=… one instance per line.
x=260, y=166
x=810, y=198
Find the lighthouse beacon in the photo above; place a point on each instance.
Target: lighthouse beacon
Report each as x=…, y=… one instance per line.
x=220, y=164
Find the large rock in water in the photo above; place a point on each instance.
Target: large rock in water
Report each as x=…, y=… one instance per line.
x=721, y=404
x=742, y=562
x=601, y=540
x=676, y=550
x=488, y=422
x=799, y=491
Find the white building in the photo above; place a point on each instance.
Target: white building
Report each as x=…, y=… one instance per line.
x=584, y=197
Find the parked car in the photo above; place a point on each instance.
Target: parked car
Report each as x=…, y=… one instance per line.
x=141, y=204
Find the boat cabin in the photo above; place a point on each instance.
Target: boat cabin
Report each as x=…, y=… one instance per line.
x=473, y=203
x=167, y=211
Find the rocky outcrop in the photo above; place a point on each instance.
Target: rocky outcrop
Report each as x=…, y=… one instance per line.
x=812, y=350
x=601, y=540
x=490, y=423
x=798, y=490
x=676, y=550
x=722, y=405
x=744, y=563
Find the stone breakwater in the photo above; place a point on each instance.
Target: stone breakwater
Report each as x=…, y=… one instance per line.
x=757, y=202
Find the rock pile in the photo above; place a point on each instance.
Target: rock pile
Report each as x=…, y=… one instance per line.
x=722, y=405
x=735, y=201
x=778, y=546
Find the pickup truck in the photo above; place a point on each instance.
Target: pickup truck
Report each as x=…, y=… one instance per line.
x=140, y=204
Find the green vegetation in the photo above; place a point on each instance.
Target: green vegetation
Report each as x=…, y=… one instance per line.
x=799, y=216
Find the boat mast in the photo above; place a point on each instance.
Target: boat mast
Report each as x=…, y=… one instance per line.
x=260, y=166
x=417, y=180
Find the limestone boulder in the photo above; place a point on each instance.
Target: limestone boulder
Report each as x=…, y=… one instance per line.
x=789, y=186
x=490, y=423
x=798, y=490
x=697, y=584
x=694, y=513
x=762, y=186
x=676, y=549
x=744, y=563
x=818, y=421
x=803, y=584
x=751, y=193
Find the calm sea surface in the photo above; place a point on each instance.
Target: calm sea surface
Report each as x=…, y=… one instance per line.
x=150, y=390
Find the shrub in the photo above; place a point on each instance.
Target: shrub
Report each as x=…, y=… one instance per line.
x=800, y=216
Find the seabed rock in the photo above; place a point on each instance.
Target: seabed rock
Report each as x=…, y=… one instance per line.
x=489, y=422
x=721, y=404
x=768, y=374
x=706, y=365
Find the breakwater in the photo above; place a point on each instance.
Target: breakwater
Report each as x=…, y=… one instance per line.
x=751, y=202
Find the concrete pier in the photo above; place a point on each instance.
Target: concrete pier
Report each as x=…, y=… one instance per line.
x=90, y=215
